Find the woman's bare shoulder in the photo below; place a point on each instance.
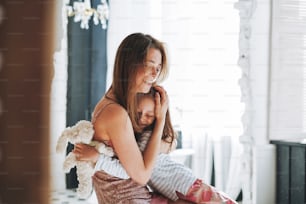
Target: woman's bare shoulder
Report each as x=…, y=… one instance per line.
x=111, y=111
x=111, y=117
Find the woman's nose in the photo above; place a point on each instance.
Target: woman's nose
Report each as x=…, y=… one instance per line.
x=154, y=71
x=154, y=74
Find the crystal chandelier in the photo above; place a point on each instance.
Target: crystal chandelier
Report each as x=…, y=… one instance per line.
x=82, y=12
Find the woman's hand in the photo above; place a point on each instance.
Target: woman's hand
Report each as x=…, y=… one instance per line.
x=85, y=152
x=161, y=102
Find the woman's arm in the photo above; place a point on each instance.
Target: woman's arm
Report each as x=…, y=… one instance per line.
x=116, y=124
x=139, y=167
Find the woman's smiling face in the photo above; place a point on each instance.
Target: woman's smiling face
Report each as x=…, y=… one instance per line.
x=149, y=71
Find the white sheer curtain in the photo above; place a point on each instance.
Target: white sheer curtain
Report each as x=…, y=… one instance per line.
x=202, y=40
x=202, y=163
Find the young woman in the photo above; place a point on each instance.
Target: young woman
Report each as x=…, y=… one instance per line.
x=140, y=61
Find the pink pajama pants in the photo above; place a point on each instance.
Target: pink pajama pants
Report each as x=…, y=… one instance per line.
x=200, y=192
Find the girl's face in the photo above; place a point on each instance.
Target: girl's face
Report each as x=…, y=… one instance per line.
x=146, y=111
x=149, y=71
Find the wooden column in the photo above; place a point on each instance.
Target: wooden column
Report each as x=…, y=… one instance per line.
x=26, y=68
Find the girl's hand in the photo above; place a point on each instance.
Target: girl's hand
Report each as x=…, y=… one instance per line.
x=161, y=102
x=85, y=152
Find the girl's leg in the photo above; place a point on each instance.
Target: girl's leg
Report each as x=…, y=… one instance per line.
x=200, y=192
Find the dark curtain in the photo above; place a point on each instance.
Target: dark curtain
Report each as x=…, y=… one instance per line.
x=87, y=67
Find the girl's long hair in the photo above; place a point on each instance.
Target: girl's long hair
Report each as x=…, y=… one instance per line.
x=169, y=135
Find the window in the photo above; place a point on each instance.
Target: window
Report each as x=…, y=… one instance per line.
x=288, y=70
x=202, y=39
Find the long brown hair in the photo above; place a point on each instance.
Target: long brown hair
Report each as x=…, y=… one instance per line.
x=131, y=53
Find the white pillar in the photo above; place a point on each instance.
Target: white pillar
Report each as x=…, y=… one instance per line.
x=258, y=161
x=264, y=157
x=58, y=98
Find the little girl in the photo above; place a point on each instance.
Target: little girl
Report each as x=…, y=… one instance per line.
x=169, y=178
